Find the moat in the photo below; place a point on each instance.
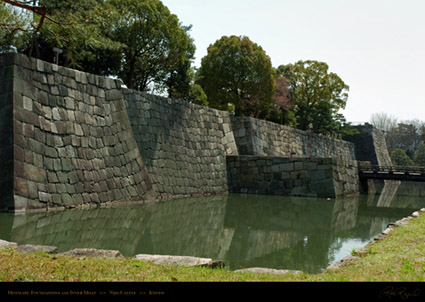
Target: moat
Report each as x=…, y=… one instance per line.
x=243, y=230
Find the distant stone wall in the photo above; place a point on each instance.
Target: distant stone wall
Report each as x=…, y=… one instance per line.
x=317, y=177
x=72, y=140
x=260, y=137
x=370, y=146
x=183, y=145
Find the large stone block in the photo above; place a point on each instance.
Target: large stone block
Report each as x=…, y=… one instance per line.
x=34, y=173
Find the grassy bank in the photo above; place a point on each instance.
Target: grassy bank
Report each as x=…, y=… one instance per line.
x=399, y=257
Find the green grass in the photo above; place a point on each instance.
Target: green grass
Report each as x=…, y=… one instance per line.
x=399, y=257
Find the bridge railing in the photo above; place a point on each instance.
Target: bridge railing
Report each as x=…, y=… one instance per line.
x=367, y=168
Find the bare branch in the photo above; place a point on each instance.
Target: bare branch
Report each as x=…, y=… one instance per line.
x=40, y=10
x=37, y=9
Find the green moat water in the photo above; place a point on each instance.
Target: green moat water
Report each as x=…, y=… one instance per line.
x=243, y=230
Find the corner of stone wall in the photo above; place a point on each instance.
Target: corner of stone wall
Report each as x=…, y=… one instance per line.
x=346, y=177
x=370, y=145
x=381, y=149
x=245, y=135
x=6, y=130
x=183, y=145
x=72, y=143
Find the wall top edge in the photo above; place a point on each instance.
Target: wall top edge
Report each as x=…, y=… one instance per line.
x=283, y=158
x=10, y=59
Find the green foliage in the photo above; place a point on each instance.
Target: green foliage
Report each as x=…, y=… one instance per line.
x=146, y=46
x=420, y=155
x=405, y=135
x=14, y=24
x=279, y=115
x=237, y=73
x=157, y=48
x=316, y=96
x=73, y=26
x=140, y=42
x=400, y=158
x=280, y=110
x=197, y=95
x=184, y=88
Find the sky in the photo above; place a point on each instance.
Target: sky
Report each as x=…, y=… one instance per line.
x=377, y=47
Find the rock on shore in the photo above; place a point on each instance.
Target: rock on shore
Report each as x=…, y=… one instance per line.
x=180, y=260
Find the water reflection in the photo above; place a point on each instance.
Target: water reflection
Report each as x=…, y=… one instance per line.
x=244, y=230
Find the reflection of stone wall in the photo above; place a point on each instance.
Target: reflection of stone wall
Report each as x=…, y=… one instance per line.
x=225, y=227
x=179, y=227
x=345, y=214
x=272, y=231
x=103, y=228
x=191, y=227
x=397, y=194
x=260, y=137
x=317, y=177
x=183, y=145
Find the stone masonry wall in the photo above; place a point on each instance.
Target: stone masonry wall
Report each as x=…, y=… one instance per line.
x=72, y=140
x=183, y=145
x=370, y=146
x=6, y=133
x=259, y=137
x=317, y=177
x=69, y=138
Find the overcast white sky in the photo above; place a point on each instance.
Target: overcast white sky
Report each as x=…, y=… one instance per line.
x=377, y=47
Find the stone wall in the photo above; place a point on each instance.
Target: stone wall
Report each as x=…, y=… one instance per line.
x=370, y=145
x=6, y=132
x=69, y=138
x=260, y=137
x=183, y=145
x=317, y=177
x=72, y=140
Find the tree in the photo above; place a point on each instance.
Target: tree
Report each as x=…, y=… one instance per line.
x=280, y=110
x=157, y=48
x=73, y=26
x=316, y=96
x=420, y=155
x=187, y=89
x=140, y=42
x=281, y=95
x=80, y=32
x=383, y=121
x=237, y=73
x=14, y=23
x=400, y=158
x=405, y=136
